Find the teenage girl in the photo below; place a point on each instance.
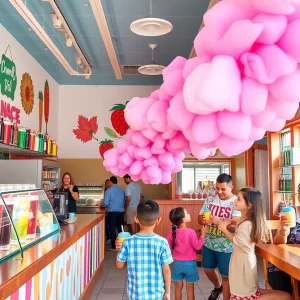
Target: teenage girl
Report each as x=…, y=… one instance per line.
x=251, y=229
x=184, y=244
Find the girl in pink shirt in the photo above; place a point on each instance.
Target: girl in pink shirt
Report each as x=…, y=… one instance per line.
x=184, y=244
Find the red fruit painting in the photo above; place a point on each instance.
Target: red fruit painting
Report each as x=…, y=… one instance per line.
x=105, y=146
x=118, y=120
x=86, y=129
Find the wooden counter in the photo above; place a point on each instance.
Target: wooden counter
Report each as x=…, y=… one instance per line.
x=59, y=267
x=165, y=206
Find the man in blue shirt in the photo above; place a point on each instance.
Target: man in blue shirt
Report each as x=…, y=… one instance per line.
x=114, y=201
x=133, y=193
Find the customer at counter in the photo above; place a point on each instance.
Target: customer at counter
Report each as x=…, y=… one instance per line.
x=278, y=279
x=114, y=201
x=133, y=194
x=107, y=235
x=67, y=185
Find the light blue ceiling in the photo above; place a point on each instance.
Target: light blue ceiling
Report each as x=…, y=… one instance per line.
x=131, y=49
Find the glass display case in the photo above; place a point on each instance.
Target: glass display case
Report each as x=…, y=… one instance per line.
x=89, y=198
x=26, y=218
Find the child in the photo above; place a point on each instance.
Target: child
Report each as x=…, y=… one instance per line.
x=148, y=257
x=251, y=229
x=184, y=243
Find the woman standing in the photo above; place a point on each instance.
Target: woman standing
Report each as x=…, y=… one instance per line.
x=67, y=185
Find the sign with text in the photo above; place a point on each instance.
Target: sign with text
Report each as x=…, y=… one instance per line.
x=8, y=77
x=10, y=112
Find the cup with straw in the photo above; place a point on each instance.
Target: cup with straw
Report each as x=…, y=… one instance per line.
x=122, y=236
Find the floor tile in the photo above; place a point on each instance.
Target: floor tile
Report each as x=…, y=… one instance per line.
x=113, y=282
x=110, y=297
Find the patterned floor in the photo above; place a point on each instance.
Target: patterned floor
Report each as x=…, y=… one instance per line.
x=111, y=284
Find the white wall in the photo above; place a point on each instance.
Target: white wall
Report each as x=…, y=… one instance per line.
x=90, y=101
x=26, y=63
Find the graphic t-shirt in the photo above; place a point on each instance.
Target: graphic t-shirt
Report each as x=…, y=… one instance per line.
x=224, y=209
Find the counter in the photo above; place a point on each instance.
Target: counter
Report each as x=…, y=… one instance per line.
x=61, y=267
x=165, y=206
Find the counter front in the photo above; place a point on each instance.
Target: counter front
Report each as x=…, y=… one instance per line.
x=60, y=267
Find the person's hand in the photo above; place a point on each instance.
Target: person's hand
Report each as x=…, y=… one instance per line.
x=167, y=296
x=215, y=220
x=71, y=189
x=204, y=230
x=284, y=225
x=118, y=244
x=223, y=225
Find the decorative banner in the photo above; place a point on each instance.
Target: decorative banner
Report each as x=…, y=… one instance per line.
x=41, y=99
x=8, y=77
x=46, y=103
x=27, y=93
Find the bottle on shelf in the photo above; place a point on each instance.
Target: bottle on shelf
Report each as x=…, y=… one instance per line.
x=281, y=183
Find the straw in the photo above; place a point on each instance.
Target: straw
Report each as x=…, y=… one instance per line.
x=122, y=228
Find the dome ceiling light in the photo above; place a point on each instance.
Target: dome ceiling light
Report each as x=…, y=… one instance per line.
x=151, y=26
x=153, y=68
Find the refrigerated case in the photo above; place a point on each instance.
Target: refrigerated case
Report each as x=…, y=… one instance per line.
x=43, y=173
x=89, y=199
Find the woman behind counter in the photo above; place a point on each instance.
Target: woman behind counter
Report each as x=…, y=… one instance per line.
x=67, y=185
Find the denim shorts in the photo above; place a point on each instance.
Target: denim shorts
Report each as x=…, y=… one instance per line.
x=185, y=270
x=214, y=259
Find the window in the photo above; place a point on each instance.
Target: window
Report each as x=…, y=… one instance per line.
x=193, y=172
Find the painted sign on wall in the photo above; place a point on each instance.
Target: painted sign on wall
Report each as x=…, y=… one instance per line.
x=8, y=77
x=10, y=112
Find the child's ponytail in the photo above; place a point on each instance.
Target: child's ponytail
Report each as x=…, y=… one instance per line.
x=176, y=216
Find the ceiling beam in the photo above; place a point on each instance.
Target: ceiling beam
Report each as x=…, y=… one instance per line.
x=104, y=31
x=210, y=5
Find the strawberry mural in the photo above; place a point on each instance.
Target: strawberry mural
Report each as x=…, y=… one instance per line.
x=104, y=146
x=118, y=119
x=87, y=128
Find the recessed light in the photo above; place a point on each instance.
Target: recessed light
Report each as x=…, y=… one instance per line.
x=45, y=48
x=86, y=4
x=29, y=28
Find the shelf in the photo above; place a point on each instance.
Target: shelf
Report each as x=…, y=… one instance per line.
x=10, y=149
x=49, y=179
x=291, y=166
x=286, y=192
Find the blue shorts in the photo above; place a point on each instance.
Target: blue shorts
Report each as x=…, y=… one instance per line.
x=214, y=259
x=185, y=270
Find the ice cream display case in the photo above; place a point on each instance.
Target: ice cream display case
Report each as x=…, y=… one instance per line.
x=26, y=218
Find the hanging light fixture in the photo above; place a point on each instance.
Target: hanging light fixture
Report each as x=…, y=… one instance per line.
x=56, y=21
x=69, y=42
x=151, y=26
x=153, y=68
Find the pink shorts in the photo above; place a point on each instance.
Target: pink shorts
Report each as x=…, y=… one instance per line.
x=253, y=297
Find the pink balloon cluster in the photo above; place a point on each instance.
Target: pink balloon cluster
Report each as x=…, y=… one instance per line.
x=244, y=81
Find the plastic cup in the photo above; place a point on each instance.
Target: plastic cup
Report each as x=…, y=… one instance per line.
x=72, y=217
x=122, y=236
x=206, y=215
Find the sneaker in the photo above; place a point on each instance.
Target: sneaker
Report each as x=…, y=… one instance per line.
x=111, y=249
x=215, y=293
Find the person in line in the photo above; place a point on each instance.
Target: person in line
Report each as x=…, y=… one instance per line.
x=217, y=248
x=251, y=229
x=114, y=201
x=147, y=256
x=184, y=244
x=67, y=185
x=278, y=279
x=107, y=185
x=133, y=194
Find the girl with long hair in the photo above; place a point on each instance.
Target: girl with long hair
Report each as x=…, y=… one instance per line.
x=184, y=244
x=251, y=229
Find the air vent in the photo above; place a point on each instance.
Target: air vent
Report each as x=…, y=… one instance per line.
x=130, y=70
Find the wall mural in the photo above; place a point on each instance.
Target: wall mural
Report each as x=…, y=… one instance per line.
x=46, y=103
x=87, y=128
x=41, y=100
x=27, y=93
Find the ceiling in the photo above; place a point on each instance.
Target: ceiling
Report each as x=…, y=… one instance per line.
x=131, y=49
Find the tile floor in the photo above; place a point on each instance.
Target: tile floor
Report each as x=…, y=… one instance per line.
x=111, y=284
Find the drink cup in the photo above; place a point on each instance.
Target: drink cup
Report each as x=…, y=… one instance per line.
x=72, y=217
x=32, y=222
x=206, y=215
x=20, y=218
x=5, y=229
x=122, y=236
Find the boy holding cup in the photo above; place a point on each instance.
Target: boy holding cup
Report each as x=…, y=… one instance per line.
x=150, y=277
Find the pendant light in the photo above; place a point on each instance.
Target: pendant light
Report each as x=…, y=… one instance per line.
x=151, y=26
x=153, y=68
